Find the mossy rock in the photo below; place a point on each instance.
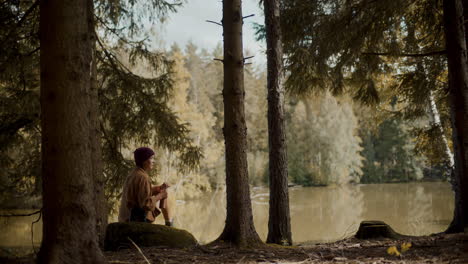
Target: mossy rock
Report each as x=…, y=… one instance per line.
x=376, y=229
x=146, y=235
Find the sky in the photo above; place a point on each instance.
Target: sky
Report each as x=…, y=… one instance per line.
x=189, y=24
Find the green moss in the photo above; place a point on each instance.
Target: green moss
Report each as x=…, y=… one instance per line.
x=144, y=234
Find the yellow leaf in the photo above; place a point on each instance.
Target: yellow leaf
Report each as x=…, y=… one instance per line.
x=393, y=251
x=405, y=246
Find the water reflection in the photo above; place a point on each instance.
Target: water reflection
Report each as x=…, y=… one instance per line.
x=317, y=213
x=16, y=231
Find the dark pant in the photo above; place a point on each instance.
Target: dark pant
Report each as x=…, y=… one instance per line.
x=137, y=214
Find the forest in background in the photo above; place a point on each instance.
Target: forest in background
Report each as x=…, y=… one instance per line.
x=331, y=139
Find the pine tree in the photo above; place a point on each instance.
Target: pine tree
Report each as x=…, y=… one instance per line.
x=239, y=228
x=67, y=139
x=458, y=91
x=279, y=223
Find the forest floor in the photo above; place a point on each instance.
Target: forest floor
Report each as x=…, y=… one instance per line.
x=426, y=249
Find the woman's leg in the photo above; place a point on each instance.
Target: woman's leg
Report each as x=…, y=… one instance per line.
x=168, y=209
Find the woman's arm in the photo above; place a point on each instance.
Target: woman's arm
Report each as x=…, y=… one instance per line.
x=159, y=188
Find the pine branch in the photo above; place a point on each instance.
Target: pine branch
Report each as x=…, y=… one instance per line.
x=116, y=32
x=390, y=54
x=22, y=19
x=113, y=60
x=33, y=51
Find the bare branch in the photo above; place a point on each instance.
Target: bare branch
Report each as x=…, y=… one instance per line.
x=248, y=16
x=18, y=215
x=34, y=51
x=389, y=54
x=141, y=252
x=246, y=58
x=216, y=59
x=111, y=57
x=214, y=22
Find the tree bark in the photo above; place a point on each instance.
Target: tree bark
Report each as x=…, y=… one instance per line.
x=69, y=223
x=434, y=112
x=279, y=224
x=100, y=203
x=458, y=93
x=239, y=228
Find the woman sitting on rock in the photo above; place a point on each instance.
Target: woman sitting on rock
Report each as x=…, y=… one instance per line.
x=139, y=197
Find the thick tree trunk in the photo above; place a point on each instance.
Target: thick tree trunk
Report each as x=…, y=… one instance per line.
x=239, y=228
x=458, y=92
x=465, y=15
x=69, y=223
x=279, y=224
x=100, y=203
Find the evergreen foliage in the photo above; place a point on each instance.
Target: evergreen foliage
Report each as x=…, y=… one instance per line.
x=389, y=154
x=133, y=102
x=373, y=50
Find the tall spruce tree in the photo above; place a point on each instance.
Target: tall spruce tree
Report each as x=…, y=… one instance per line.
x=279, y=223
x=69, y=225
x=239, y=228
x=454, y=24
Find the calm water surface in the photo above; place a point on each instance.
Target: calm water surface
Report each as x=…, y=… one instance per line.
x=318, y=214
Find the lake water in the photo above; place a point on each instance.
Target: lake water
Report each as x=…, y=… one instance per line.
x=318, y=214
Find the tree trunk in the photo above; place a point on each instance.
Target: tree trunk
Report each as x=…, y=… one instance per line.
x=434, y=112
x=69, y=223
x=239, y=228
x=458, y=93
x=465, y=15
x=279, y=224
x=100, y=203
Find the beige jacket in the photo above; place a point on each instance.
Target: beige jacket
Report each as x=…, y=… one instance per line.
x=138, y=192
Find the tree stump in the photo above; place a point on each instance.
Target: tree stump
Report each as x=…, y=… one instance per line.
x=376, y=229
x=144, y=234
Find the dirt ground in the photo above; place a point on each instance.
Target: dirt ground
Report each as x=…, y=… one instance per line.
x=427, y=249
